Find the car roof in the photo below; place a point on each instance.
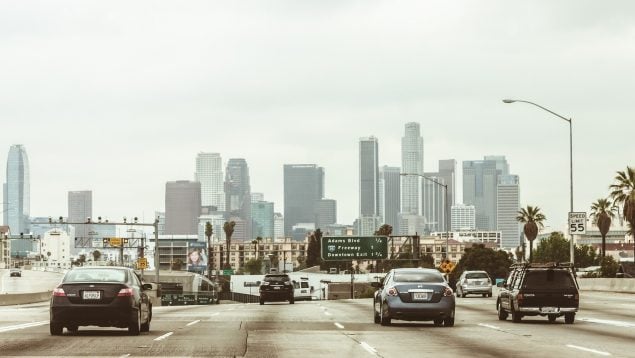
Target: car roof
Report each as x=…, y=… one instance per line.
x=415, y=269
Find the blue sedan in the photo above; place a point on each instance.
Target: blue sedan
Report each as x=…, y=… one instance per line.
x=414, y=294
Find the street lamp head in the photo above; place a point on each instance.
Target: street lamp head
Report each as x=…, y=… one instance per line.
x=509, y=100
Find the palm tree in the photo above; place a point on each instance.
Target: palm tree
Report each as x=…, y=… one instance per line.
x=623, y=194
x=533, y=219
x=228, y=227
x=209, y=230
x=602, y=213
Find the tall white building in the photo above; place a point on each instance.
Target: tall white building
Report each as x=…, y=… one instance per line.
x=434, y=196
x=278, y=225
x=508, y=205
x=209, y=172
x=368, y=176
x=411, y=163
x=463, y=217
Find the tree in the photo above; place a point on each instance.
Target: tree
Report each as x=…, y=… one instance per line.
x=257, y=243
x=253, y=266
x=313, y=256
x=478, y=257
x=81, y=260
x=209, y=230
x=96, y=255
x=623, y=194
x=602, y=212
x=609, y=267
x=533, y=220
x=555, y=248
x=384, y=230
x=585, y=256
x=228, y=227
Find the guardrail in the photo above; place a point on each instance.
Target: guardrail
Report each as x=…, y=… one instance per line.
x=24, y=298
x=620, y=285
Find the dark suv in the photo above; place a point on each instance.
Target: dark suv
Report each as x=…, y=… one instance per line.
x=276, y=287
x=539, y=290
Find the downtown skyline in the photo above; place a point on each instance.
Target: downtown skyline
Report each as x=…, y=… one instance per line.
x=107, y=100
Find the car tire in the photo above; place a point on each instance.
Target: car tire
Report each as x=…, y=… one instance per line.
x=502, y=314
x=449, y=321
x=516, y=316
x=72, y=328
x=56, y=328
x=489, y=294
x=458, y=292
x=385, y=320
x=262, y=302
x=292, y=300
x=552, y=318
x=376, y=317
x=569, y=318
x=145, y=327
x=438, y=322
x=134, y=327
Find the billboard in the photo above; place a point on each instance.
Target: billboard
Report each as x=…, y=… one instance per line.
x=197, y=257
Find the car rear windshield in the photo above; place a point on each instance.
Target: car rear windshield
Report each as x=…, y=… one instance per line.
x=476, y=275
x=281, y=278
x=97, y=275
x=418, y=277
x=546, y=279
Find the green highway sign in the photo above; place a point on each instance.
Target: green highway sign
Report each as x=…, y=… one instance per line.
x=228, y=272
x=345, y=248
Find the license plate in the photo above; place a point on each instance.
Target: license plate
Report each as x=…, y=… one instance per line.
x=276, y=288
x=420, y=296
x=91, y=295
x=549, y=309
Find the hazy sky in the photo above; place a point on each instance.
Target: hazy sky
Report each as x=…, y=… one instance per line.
x=118, y=97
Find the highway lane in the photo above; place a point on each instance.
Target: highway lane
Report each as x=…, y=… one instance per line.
x=344, y=328
x=31, y=281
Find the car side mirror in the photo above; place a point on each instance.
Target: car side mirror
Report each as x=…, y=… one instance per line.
x=375, y=284
x=147, y=287
x=501, y=284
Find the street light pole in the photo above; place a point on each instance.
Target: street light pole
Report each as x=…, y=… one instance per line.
x=447, y=215
x=570, y=121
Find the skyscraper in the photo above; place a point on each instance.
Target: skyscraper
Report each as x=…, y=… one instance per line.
x=480, y=181
x=80, y=207
x=325, y=213
x=238, y=197
x=209, y=172
x=303, y=186
x=411, y=163
x=508, y=205
x=434, y=209
x=368, y=177
x=447, y=172
x=182, y=207
x=390, y=196
x=17, y=198
x=463, y=217
x=262, y=214
x=278, y=225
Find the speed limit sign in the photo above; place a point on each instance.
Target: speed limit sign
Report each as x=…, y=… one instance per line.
x=577, y=223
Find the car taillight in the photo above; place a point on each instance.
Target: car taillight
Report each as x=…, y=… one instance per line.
x=125, y=292
x=392, y=291
x=59, y=292
x=448, y=292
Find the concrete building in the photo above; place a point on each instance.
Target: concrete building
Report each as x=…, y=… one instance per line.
x=447, y=172
x=5, y=248
x=80, y=207
x=480, y=182
x=411, y=224
x=56, y=247
x=434, y=207
x=17, y=197
x=507, y=206
x=325, y=212
x=463, y=217
x=411, y=163
x=209, y=172
x=368, y=177
x=278, y=225
x=390, y=195
x=214, y=217
x=367, y=225
x=182, y=207
x=238, y=197
x=303, y=187
x=262, y=216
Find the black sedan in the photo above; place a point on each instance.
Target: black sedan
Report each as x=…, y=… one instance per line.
x=15, y=272
x=101, y=296
x=414, y=294
x=276, y=287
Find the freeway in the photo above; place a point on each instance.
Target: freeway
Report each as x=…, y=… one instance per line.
x=604, y=327
x=31, y=281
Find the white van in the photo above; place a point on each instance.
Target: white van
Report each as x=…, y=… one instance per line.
x=302, y=289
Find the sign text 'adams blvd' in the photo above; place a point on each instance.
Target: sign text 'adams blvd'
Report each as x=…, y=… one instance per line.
x=335, y=248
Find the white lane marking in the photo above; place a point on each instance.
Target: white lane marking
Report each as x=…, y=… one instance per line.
x=125, y=356
x=193, y=323
x=327, y=313
x=368, y=348
x=589, y=350
x=22, y=326
x=215, y=314
x=339, y=325
x=164, y=336
x=489, y=326
x=608, y=322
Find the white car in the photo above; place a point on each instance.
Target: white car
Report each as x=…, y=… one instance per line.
x=474, y=282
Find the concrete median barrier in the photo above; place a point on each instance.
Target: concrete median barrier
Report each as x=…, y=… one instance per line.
x=8, y=299
x=619, y=285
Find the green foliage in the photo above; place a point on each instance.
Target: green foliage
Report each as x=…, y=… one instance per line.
x=609, y=267
x=313, y=257
x=478, y=257
x=253, y=266
x=96, y=255
x=369, y=292
x=585, y=256
x=555, y=248
x=384, y=230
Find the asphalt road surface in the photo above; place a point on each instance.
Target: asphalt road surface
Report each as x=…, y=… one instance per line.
x=31, y=281
x=605, y=326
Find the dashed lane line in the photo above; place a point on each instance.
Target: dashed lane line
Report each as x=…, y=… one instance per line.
x=22, y=326
x=608, y=322
x=164, y=336
x=368, y=348
x=339, y=325
x=193, y=323
x=606, y=354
